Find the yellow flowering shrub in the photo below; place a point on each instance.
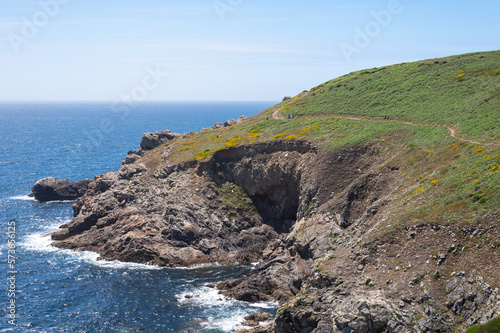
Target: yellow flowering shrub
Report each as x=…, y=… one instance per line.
x=309, y=129
x=202, y=155
x=419, y=190
x=472, y=172
x=233, y=142
x=460, y=74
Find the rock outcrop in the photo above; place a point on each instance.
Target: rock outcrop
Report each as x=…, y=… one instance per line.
x=202, y=212
x=52, y=189
x=228, y=123
x=307, y=216
x=153, y=140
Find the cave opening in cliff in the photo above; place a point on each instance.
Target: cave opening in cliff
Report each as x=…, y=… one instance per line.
x=278, y=206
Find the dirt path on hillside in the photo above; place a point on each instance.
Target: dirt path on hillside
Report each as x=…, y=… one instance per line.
x=450, y=131
x=277, y=115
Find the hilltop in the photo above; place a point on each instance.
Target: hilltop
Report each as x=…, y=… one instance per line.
x=370, y=201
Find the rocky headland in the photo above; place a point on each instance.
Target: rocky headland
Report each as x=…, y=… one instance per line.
x=357, y=223
x=295, y=209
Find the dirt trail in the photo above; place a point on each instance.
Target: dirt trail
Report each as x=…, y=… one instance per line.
x=276, y=114
x=452, y=132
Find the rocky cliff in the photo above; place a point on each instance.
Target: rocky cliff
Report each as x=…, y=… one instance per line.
x=370, y=202
x=307, y=215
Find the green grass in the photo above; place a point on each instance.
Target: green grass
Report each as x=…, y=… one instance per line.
x=462, y=91
x=493, y=326
x=236, y=199
x=448, y=183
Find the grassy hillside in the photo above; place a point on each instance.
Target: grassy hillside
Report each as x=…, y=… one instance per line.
x=442, y=178
x=463, y=91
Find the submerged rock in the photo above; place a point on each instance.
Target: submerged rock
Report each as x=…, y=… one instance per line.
x=52, y=189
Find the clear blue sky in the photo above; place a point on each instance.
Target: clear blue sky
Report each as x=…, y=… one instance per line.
x=221, y=49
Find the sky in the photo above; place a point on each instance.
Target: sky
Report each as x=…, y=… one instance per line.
x=221, y=50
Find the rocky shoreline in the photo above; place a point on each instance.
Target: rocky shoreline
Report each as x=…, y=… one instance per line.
x=306, y=215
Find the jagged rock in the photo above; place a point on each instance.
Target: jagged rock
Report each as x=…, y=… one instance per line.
x=152, y=140
x=230, y=122
x=279, y=278
x=52, y=189
x=128, y=171
x=131, y=158
x=255, y=319
x=441, y=258
x=217, y=125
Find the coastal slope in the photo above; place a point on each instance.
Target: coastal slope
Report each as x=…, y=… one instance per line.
x=370, y=202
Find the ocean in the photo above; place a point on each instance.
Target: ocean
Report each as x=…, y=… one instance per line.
x=45, y=289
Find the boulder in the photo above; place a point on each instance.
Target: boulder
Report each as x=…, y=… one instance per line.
x=230, y=122
x=52, y=189
x=256, y=318
x=152, y=140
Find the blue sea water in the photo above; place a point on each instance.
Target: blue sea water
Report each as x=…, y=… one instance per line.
x=51, y=290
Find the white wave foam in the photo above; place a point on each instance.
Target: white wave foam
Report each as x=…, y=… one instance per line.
x=226, y=324
x=28, y=198
x=42, y=242
x=231, y=312
x=204, y=296
x=22, y=197
x=197, y=266
x=210, y=297
x=58, y=202
x=93, y=259
x=265, y=305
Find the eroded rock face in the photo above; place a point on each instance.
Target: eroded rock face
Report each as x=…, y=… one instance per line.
x=307, y=217
x=52, y=189
x=186, y=216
